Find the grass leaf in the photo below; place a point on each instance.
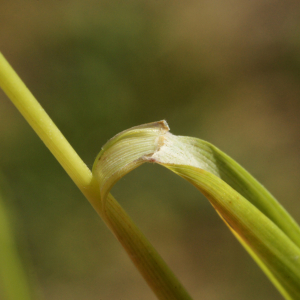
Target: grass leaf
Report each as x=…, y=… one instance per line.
x=259, y=222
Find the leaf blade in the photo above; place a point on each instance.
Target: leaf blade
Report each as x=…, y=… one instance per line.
x=264, y=228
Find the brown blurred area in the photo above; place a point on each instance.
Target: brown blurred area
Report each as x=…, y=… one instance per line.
x=224, y=71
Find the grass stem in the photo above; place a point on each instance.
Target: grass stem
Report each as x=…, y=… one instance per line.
x=152, y=267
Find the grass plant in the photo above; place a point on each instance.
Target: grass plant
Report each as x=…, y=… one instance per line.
x=258, y=221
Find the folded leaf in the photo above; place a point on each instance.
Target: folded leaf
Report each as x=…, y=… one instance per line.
x=260, y=223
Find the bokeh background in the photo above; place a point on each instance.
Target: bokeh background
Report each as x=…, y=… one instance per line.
x=224, y=71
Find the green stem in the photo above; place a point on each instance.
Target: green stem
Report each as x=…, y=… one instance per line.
x=154, y=270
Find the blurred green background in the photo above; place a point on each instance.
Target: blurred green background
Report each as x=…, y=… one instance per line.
x=224, y=71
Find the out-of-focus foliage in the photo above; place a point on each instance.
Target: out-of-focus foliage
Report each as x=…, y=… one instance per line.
x=224, y=71
x=14, y=283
